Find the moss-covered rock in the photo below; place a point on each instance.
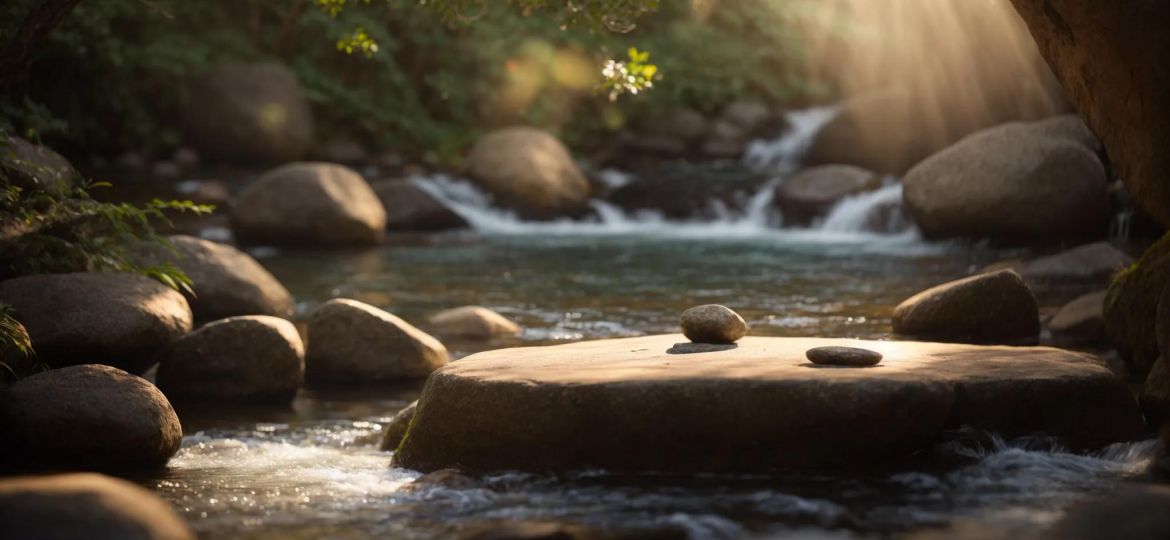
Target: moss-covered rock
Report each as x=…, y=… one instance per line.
x=1131, y=307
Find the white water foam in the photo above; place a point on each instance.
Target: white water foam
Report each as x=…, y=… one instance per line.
x=782, y=155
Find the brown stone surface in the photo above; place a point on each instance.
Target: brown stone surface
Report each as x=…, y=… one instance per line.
x=626, y=404
x=996, y=307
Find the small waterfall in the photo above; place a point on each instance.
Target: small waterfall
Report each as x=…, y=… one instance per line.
x=1119, y=228
x=782, y=155
x=878, y=211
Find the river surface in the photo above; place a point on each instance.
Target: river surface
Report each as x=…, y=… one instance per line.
x=315, y=471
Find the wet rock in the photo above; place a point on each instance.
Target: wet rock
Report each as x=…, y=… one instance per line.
x=88, y=417
x=1081, y=322
x=530, y=171
x=409, y=208
x=255, y=359
x=396, y=429
x=472, y=322
x=1061, y=277
x=712, y=323
x=444, y=478
x=1131, y=307
x=996, y=307
x=227, y=282
x=254, y=113
x=1134, y=512
x=811, y=193
x=1155, y=396
x=186, y=158
x=1011, y=186
x=352, y=342
x=309, y=204
x=113, y=318
x=34, y=167
x=627, y=405
x=843, y=356
x=85, y=506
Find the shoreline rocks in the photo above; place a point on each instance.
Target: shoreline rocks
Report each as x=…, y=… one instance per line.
x=115, y=318
x=992, y=308
x=472, y=322
x=409, y=208
x=1071, y=273
x=353, y=342
x=712, y=323
x=87, y=417
x=529, y=171
x=627, y=405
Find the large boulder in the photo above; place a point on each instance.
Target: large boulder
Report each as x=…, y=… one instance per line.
x=33, y=167
x=1069, y=127
x=472, y=322
x=1131, y=307
x=226, y=281
x=1110, y=58
x=83, y=506
x=309, y=204
x=1081, y=322
x=996, y=307
x=530, y=171
x=1068, y=274
x=409, y=208
x=353, y=342
x=119, y=319
x=1011, y=186
x=89, y=417
x=257, y=359
x=630, y=405
x=811, y=193
x=254, y=113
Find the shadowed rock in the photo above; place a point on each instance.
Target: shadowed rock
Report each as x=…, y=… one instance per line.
x=626, y=405
x=996, y=307
x=396, y=429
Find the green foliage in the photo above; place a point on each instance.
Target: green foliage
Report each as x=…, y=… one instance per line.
x=17, y=359
x=636, y=75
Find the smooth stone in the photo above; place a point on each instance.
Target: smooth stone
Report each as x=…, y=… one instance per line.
x=396, y=430
x=712, y=323
x=692, y=348
x=992, y=308
x=1063, y=276
x=256, y=359
x=843, y=356
x=409, y=208
x=530, y=171
x=811, y=193
x=1081, y=322
x=354, y=342
x=115, y=318
x=472, y=322
x=89, y=417
x=85, y=506
x=627, y=405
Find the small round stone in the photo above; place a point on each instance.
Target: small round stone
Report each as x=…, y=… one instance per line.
x=712, y=323
x=843, y=356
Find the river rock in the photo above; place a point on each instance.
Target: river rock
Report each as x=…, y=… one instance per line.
x=88, y=417
x=353, y=342
x=227, y=282
x=113, y=318
x=1133, y=512
x=396, y=429
x=996, y=307
x=254, y=113
x=472, y=322
x=84, y=506
x=1081, y=322
x=1131, y=307
x=736, y=125
x=409, y=208
x=843, y=356
x=1063, y=276
x=811, y=193
x=530, y=171
x=309, y=204
x=712, y=323
x=1155, y=396
x=1069, y=127
x=33, y=167
x=627, y=405
x=1010, y=186
x=256, y=359
x=688, y=191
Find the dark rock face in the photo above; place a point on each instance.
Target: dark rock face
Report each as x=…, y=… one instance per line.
x=1131, y=307
x=628, y=405
x=88, y=417
x=254, y=113
x=227, y=281
x=530, y=171
x=309, y=204
x=409, y=208
x=33, y=167
x=118, y=319
x=687, y=192
x=1081, y=322
x=1011, y=186
x=1155, y=397
x=396, y=429
x=811, y=193
x=712, y=323
x=996, y=307
x=843, y=356
x=257, y=359
x=85, y=506
x=353, y=342
x=1103, y=50
x=1068, y=274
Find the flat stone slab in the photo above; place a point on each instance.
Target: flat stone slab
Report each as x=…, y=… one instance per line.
x=628, y=405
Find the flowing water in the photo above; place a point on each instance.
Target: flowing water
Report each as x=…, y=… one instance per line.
x=315, y=471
